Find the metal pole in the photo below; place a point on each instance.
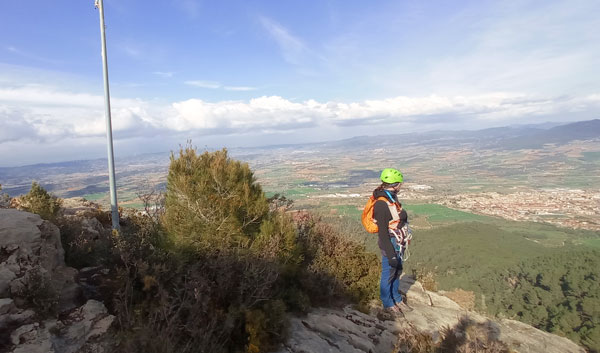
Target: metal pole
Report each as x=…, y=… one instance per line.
x=111, y=158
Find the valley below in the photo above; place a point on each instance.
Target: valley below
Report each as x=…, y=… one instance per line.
x=510, y=216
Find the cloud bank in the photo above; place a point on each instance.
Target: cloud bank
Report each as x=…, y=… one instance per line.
x=217, y=85
x=47, y=114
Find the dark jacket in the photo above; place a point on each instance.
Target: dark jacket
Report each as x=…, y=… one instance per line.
x=381, y=213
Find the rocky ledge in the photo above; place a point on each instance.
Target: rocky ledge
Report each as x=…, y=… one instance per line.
x=435, y=319
x=36, y=288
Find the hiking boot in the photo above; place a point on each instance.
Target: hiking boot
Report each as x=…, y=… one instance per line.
x=403, y=307
x=395, y=310
x=389, y=314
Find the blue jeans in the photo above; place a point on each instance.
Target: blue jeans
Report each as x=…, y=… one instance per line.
x=389, y=282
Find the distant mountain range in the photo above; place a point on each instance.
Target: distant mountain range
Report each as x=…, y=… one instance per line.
x=501, y=138
x=583, y=130
x=508, y=138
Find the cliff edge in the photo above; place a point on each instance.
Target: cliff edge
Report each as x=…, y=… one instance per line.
x=436, y=323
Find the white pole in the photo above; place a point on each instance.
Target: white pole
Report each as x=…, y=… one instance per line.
x=111, y=158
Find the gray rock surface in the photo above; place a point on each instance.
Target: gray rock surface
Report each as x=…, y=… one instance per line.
x=347, y=330
x=31, y=255
x=77, y=333
x=11, y=316
x=6, y=278
x=4, y=200
x=344, y=330
x=78, y=206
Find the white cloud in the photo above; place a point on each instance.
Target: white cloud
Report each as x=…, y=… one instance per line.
x=239, y=88
x=164, y=74
x=292, y=48
x=218, y=85
x=257, y=114
x=204, y=84
x=14, y=127
x=47, y=114
x=46, y=95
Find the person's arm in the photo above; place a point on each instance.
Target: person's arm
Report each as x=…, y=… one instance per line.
x=381, y=213
x=403, y=218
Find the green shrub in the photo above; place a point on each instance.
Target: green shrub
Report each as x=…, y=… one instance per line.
x=264, y=326
x=201, y=302
x=336, y=267
x=38, y=201
x=427, y=278
x=224, y=265
x=277, y=240
x=82, y=250
x=4, y=199
x=212, y=200
x=37, y=291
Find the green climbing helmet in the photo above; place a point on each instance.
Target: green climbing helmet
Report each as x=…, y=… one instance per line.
x=391, y=176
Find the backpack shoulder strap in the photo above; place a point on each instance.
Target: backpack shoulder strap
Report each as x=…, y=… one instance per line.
x=381, y=198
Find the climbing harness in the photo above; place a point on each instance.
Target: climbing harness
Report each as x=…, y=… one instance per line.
x=403, y=237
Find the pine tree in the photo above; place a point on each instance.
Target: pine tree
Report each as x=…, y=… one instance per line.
x=212, y=200
x=39, y=201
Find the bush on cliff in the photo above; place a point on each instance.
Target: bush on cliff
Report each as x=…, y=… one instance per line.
x=335, y=264
x=222, y=268
x=39, y=201
x=4, y=199
x=212, y=201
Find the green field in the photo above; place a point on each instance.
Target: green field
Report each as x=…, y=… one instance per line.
x=299, y=192
x=135, y=205
x=348, y=211
x=591, y=156
x=95, y=196
x=594, y=243
x=462, y=253
x=441, y=214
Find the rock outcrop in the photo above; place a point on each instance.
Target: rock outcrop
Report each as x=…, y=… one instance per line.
x=4, y=200
x=32, y=259
x=350, y=331
x=80, y=207
x=79, y=332
x=36, y=286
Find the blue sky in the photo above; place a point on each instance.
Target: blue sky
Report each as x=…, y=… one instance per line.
x=244, y=73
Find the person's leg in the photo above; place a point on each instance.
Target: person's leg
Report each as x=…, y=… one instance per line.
x=394, y=279
x=389, y=283
x=384, y=286
x=395, y=284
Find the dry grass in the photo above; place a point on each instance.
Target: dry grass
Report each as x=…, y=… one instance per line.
x=412, y=341
x=466, y=337
x=426, y=278
x=466, y=299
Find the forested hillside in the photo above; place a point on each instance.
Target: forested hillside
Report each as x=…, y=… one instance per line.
x=558, y=293
x=552, y=288
x=535, y=273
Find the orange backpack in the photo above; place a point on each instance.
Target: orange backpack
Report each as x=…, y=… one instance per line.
x=367, y=215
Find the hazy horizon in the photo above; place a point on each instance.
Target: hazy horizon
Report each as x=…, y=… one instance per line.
x=119, y=155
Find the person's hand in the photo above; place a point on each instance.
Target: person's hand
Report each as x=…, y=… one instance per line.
x=395, y=263
x=403, y=216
